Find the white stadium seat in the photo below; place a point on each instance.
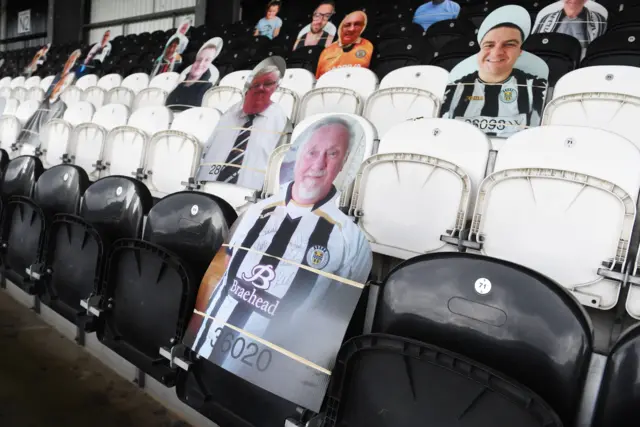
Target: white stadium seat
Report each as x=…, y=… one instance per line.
x=562, y=201
x=604, y=97
x=46, y=82
x=176, y=152
x=341, y=90
x=199, y=122
x=420, y=186
x=165, y=81
x=31, y=82
x=17, y=82
x=10, y=107
x=55, y=135
x=156, y=94
x=272, y=177
x=235, y=79
x=12, y=125
x=221, y=98
x=293, y=86
x=5, y=82
x=126, y=146
x=87, y=141
x=97, y=95
x=36, y=94
x=407, y=93
x=19, y=93
x=5, y=92
x=72, y=94
x=87, y=81
x=126, y=93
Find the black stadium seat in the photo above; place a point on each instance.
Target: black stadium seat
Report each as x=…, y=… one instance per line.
x=617, y=48
x=151, y=283
x=25, y=232
x=619, y=395
x=502, y=315
x=453, y=53
x=560, y=51
x=19, y=180
x=393, y=54
x=449, y=30
x=387, y=381
x=626, y=20
x=305, y=57
x=111, y=208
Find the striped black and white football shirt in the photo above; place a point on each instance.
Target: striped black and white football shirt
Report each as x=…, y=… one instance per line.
x=497, y=109
x=267, y=297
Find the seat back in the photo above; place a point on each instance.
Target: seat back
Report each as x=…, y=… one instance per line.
x=236, y=79
x=20, y=93
x=116, y=205
x=407, y=93
x=20, y=176
x=109, y=81
x=5, y=82
x=17, y=82
x=500, y=314
x=549, y=184
x=46, y=82
x=165, y=81
x=36, y=94
x=81, y=112
x=86, y=81
x=73, y=94
x=221, y=98
x=31, y=82
x=603, y=97
x=426, y=168
x=199, y=122
x=60, y=189
x=26, y=110
x=341, y=90
x=136, y=82
x=151, y=119
x=620, y=388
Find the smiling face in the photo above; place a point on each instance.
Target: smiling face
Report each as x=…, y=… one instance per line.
x=499, y=50
x=352, y=27
x=258, y=96
x=273, y=11
x=319, y=163
x=321, y=17
x=202, y=62
x=572, y=8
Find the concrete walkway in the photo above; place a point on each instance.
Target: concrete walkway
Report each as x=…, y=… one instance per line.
x=48, y=381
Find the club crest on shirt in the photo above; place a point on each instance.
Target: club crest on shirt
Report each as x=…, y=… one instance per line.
x=361, y=53
x=318, y=257
x=508, y=95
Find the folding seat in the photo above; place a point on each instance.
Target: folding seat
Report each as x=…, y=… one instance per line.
x=46, y=82
x=126, y=93
x=627, y=19
x=406, y=93
x=159, y=87
x=56, y=134
x=620, y=388
x=305, y=57
x=499, y=314
x=398, y=29
x=227, y=93
x=72, y=94
x=475, y=13
x=19, y=93
x=87, y=81
x=151, y=284
x=5, y=92
x=616, y=48
x=293, y=86
x=453, y=53
x=173, y=155
x=429, y=383
x=111, y=208
x=394, y=54
x=31, y=82
x=549, y=185
x=97, y=94
x=561, y=52
x=17, y=82
x=604, y=97
x=87, y=139
x=29, y=217
x=5, y=82
x=425, y=168
x=11, y=125
x=35, y=94
x=10, y=107
x=341, y=90
x=126, y=146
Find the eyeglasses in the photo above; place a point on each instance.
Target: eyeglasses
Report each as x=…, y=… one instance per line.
x=317, y=15
x=265, y=85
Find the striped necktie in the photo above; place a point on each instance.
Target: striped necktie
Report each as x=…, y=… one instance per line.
x=236, y=156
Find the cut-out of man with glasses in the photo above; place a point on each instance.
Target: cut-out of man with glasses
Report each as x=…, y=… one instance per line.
x=321, y=31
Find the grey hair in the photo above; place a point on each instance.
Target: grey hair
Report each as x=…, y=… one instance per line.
x=268, y=70
x=330, y=121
